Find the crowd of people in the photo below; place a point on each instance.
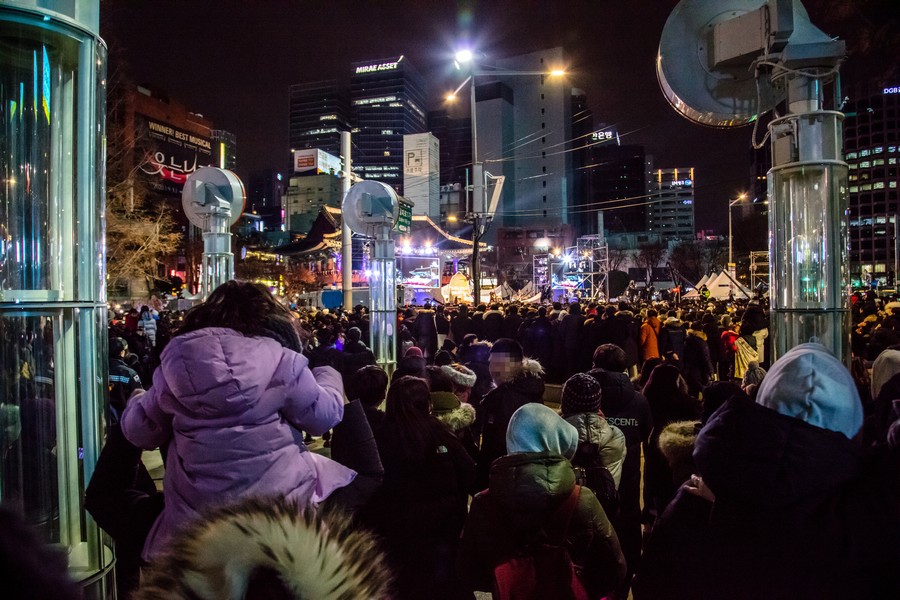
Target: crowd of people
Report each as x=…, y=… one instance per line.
x=680, y=463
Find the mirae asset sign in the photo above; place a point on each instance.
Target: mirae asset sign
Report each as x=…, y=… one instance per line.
x=388, y=66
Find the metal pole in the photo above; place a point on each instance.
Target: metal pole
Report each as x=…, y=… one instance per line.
x=346, y=235
x=730, y=237
x=477, y=200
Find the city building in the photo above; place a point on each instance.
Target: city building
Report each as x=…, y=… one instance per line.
x=583, y=139
x=306, y=196
x=455, y=138
x=524, y=129
x=871, y=140
x=453, y=207
x=617, y=186
x=388, y=101
x=264, y=191
x=163, y=142
x=421, y=173
x=224, y=149
x=319, y=111
x=670, y=207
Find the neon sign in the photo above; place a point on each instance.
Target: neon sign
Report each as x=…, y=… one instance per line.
x=388, y=66
x=892, y=90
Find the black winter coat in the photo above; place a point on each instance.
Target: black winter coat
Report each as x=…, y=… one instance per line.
x=420, y=509
x=495, y=411
x=628, y=410
x=800, y=512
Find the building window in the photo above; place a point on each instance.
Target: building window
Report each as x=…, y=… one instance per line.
x=543, y=125
x=545, y=213
x=544, y=183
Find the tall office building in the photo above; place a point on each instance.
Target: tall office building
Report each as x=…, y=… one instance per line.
x=455, y=138
x=871, y=140
x=319, y=112
x=264, y=191
x=618, y=184
x=584, y=219
x=524, y=126
x=224, y=149
x=670, y=208
x=388, y=102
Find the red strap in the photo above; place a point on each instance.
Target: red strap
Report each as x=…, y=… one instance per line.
x=562, y=517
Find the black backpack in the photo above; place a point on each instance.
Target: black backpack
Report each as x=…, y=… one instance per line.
x=590, y=472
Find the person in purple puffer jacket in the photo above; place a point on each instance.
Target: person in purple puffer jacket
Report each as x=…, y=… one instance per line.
x=226, y=404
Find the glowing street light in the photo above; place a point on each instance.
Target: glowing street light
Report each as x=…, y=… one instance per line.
x=464, y=56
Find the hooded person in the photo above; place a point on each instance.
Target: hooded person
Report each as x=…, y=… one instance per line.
x=580, y=406
x=445, y=404
x=885, y=389
x=527, y=486
x=800, y=510
x=268, y=548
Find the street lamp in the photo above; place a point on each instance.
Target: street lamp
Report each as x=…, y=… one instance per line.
x=479, y=215
x=738, y=200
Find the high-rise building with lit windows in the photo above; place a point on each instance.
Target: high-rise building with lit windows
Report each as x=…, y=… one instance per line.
x=670, y=208
x=387, y=98
x=871, y=144
x=319, y=112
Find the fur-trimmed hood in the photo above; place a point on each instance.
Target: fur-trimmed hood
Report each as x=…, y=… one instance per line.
x=315, y=553
x=676, y=442
x=697, y=333
x=529, y=379
x=459, y=418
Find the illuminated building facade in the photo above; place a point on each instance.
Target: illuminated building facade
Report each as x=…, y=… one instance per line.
x=224, y=149
x=670, y=208
x=871, y=143
x=319, y=112
x=388, y=101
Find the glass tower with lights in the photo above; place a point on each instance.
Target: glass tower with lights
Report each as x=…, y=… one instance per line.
x=53, y=365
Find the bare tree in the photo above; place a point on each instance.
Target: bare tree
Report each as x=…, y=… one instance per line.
x=139, y=234
x=617, y=256
x=650, y=255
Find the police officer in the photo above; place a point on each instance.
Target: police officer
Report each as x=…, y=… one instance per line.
x=123, y=380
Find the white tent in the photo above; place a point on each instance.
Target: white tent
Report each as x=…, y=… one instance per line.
x=722, y=285
x=704, y=281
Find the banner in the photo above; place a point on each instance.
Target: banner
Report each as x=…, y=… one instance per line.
x=172, y=154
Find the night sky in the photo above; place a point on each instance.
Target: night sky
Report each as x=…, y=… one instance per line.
x=233, y=61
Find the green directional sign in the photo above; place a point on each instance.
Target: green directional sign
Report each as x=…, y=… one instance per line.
x=404, y=220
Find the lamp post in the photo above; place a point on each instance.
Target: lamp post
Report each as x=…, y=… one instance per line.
x=479, y=215
x=731, y=269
